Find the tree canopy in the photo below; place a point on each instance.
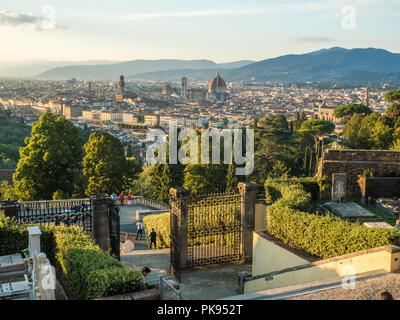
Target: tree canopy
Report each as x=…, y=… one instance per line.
x=346, y=111
x=104, y=165
x=51, y=160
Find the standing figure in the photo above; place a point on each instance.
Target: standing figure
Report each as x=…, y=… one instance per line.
x=153, y=239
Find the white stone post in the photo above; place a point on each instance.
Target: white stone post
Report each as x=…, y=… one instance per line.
x=34, y=241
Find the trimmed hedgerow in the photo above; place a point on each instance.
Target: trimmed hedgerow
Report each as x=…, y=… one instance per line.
x=81, y=260
x=114, y=281
x=161, y=225
x=77, y=258
x=14, y=238
x=321, y=236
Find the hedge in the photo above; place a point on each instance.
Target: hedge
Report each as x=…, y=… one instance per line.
x=77, y=258
x=161, y=225
x=114, y=281
x=309, y=184
x=14, y=238
x=325, y=237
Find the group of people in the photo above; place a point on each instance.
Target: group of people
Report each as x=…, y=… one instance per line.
x=122, y=199
x=128, y=246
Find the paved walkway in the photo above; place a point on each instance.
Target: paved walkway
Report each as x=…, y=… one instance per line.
x=128, y=224
x=206, y=283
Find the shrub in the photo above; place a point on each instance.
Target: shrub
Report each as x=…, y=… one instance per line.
x=113, y=281
x=14, y=238
x=161, y=225
x=324, y=237
x=310, y=185
x=76, y=257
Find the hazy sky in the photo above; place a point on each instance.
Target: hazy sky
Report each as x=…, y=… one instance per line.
x=223, y=30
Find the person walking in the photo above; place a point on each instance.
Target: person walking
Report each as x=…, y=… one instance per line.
x=153, y=239
x=139, y=226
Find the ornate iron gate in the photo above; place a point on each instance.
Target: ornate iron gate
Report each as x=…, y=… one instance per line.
x=205, y=230
x=214, y=229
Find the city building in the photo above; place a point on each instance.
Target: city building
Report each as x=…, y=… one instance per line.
x=217, y=90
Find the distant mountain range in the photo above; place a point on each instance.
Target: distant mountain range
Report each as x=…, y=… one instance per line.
x=30, y=69
x=326, y=65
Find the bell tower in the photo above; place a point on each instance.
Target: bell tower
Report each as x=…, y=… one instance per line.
x=121, y=84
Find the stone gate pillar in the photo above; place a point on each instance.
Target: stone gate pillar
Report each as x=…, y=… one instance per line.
x=179, y=226
x=248, y=191
x=100, y=221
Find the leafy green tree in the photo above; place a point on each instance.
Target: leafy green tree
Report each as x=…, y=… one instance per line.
x=317, y=128
x=274, y=142
x=129, y=151
x=166, y=184
x=393, y=96
x=205, y=178
x=7, y=191
x=279, y=170
x=346, y=111
x=132, y=170
x=50, y=161
x=231, y=179
x=368, y=132
x=104, y=165
x=142, y=185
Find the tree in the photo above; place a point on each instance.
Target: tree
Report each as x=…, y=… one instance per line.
x=393, y=96
x=104, y=165
x=51, y=160
x=132, y=170
x=316, y=128
x=166, y=184
x=346, y=111
x=279, y=170
x=274, y=142
x=231, y=179
x=7, y=192
x=369, y=132
x=129, y=151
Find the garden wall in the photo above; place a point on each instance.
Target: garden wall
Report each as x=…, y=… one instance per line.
x=354, y=162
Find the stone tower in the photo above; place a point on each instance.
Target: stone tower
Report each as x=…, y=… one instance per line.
x=121, y=84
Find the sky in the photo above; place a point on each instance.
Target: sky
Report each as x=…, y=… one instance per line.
x=222, y=31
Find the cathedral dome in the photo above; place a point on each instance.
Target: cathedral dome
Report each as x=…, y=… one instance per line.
x=216, y=83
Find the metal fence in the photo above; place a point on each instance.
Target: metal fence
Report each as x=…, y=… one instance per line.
x=168, y=291
x=76, y=212
x=214, y=229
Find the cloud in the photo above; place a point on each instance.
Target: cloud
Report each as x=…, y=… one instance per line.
x=43, y=22
x=313, y=39
x=206, y=13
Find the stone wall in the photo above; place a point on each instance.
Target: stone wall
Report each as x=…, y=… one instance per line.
x=381, y=187
x=354, y=162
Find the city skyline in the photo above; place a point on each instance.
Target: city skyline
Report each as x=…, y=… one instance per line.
x=129, y=30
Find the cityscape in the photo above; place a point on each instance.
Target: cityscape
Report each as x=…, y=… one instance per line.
x=172, y=152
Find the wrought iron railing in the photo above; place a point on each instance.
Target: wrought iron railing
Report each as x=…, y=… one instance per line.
x=74, y=212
